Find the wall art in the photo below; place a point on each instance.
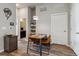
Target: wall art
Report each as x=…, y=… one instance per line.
x=7, y=12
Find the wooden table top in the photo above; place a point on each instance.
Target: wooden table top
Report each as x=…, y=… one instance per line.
x=36, y=36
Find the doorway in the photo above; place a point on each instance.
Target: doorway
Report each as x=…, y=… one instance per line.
x=59, y=28
x=22, y=28
x=21, y=31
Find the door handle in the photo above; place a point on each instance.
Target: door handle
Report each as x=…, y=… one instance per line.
x=77, y=32
x=64, y=30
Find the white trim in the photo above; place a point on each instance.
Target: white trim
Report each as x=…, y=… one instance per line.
x=1, y=50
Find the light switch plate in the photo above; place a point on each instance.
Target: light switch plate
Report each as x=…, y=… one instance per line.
x=3, y=28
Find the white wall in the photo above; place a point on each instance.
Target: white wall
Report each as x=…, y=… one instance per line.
x=75, y=27
x=44, y=22
x=29, y=19
x=5, y=24
x=23, y=12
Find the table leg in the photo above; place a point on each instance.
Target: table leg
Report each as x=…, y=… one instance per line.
x=40, y=48
x=28, y=46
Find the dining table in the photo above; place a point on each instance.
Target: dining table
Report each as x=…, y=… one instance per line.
x=38, y=38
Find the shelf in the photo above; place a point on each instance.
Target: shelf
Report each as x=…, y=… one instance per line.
x=32, y=25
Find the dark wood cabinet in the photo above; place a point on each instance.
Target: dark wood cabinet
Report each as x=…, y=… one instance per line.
x=10, y=43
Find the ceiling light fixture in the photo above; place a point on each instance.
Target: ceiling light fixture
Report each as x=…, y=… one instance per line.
x=17, y=5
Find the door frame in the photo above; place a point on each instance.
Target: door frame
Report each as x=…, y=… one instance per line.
x=18, y=29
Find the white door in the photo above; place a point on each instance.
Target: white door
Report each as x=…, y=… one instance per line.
x=59, y=28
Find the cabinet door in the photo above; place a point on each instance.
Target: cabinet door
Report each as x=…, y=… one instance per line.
x=6, y=43
x=13, y=43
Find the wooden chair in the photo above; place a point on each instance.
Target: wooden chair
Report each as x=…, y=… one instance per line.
x=47, y=41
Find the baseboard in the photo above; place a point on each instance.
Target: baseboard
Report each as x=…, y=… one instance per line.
x=1, y=50
x=73, y=50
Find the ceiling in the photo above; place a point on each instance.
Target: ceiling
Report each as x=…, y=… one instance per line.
x=22, y=5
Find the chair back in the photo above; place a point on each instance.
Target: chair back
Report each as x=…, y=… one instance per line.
x=48, y=40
